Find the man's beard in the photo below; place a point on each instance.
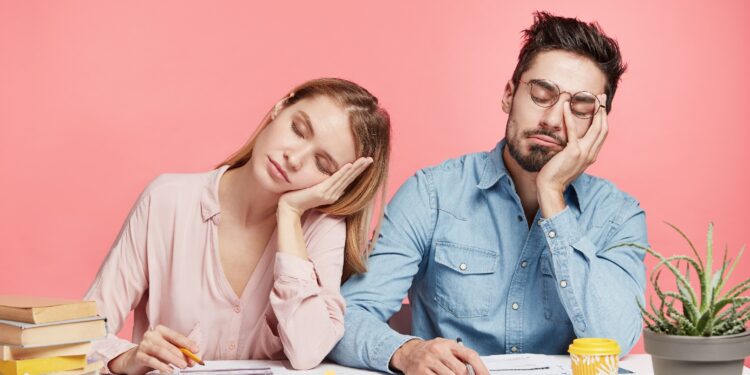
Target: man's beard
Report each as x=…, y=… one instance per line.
x=538, y=155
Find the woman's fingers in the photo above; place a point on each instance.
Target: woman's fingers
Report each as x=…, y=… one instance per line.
x=152, y=362
x=177, y=339
x=357, y=168
x=167, y=353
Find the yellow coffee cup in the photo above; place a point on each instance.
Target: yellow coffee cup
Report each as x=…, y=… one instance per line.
x=594, y=356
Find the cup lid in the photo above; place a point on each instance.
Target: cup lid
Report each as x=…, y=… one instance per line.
x=594, y=346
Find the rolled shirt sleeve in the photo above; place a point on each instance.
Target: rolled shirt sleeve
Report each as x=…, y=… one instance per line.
x=306, y=298
x=599, y=287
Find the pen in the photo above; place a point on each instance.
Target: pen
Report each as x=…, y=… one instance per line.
x=468, y=366
x=192, y=356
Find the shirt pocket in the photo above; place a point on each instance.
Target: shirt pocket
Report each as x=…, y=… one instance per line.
x=464, y=279
x=553, y=308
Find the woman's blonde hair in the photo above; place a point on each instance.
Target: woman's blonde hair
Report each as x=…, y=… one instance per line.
x=371, y=127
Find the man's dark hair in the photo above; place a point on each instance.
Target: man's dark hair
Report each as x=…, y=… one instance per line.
x=551, y=32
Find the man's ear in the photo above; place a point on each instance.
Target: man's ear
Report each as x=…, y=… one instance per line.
x=507, y=99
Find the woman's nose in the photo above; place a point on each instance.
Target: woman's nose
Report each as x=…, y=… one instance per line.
x=294, y=157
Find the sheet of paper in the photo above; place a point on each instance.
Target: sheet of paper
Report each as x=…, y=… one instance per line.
x=526, y=364
x=227, y=368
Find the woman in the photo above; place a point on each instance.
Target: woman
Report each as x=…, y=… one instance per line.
x=245, y=262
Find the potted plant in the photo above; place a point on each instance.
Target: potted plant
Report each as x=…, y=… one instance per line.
x=697, y=331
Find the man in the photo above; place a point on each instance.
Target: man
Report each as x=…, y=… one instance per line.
x=509, y=249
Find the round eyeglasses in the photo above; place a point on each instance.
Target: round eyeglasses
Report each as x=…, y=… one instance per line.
x=546, y=93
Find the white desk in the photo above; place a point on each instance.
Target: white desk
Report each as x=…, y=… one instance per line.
x=638, y=363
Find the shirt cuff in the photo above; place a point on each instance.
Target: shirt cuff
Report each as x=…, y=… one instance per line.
x=561, y=231
x=386, y=348
x=111, y=349
x=292, y=266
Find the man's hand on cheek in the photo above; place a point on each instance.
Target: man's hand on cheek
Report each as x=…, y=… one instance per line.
x=573, y=160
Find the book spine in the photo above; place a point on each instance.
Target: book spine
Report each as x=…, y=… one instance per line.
x=16, y=314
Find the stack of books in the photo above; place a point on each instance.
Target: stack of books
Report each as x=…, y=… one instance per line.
x=48, y=336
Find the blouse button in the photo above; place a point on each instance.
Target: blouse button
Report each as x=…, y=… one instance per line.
x=462, y=266
x=237, y=309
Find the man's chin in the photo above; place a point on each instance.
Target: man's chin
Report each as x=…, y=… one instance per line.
x=534, y=161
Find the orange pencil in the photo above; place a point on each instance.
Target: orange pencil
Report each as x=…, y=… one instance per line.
x=192, y=356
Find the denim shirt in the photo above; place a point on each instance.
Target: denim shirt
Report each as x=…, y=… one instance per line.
x=455, y=238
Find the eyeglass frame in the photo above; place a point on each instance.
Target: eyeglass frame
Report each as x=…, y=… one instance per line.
x=559, y=93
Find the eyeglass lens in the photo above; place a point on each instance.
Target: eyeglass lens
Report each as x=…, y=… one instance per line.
x=545, y=94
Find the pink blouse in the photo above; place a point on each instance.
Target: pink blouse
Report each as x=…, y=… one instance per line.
x=165, y=265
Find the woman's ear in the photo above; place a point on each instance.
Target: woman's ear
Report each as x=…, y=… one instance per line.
x=280, y=105
x=507, y=100
x=277, y=109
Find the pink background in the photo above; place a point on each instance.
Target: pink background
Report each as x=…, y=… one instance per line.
x=98, y=98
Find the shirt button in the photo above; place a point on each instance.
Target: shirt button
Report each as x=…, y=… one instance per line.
x=563, y=283
x=513, y=349
x=539, y=222
x=524, y=264
x=237, y=309
x=519, y=217
x=552, y=234
x=462, y=266
x=232, y=346
x=514, y=306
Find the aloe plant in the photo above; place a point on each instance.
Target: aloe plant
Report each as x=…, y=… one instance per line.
x=714, y=312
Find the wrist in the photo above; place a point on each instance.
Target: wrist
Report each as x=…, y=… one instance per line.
x=118, y=365
x=551, y=201
x=400, y=356
x=287, y=210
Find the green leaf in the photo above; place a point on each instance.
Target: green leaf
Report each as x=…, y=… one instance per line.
x=719, y=277
x=705, y=323
x=740, y=300
x=707, y=293
x=665, y=262
x=697, y=256
x=686, y=303
x=738, y=289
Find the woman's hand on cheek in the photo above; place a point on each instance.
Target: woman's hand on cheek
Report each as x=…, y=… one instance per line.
x=326, y=192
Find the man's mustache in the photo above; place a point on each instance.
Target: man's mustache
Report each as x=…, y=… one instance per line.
x=548, y=133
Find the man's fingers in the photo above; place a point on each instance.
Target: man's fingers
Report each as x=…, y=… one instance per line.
x=471, y=357
x=441, y=369
x=593, y=133
x=454, y=364
x=604, y=128
x=569, y=120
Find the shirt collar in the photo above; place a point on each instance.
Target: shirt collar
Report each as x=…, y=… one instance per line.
x=494, y=169
x=210, y=195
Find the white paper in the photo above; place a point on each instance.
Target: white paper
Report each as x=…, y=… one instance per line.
x=526, y=364
x=226, y=368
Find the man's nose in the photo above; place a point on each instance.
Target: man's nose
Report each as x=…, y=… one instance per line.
x=553, y=117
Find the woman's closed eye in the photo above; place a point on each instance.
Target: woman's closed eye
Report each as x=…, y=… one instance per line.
x=296, y=129
x=323, y=166
x=321, y=162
